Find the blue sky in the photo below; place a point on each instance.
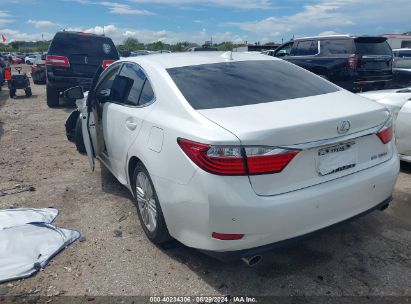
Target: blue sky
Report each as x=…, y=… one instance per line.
x=198, y=20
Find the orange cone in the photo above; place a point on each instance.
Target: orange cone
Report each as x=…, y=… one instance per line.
x=7, y=75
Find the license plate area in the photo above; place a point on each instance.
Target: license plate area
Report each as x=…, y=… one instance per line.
x=337, y=158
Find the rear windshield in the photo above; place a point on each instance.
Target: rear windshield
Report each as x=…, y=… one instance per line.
x=372, y=47
x=83, y=44
x=232, y=84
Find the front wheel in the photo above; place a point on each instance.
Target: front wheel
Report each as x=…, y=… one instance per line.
x=148, y=207
x=78, y=136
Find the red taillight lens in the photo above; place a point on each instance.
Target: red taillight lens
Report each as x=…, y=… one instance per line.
x=353, y=62
x=60, y=61
x=269, y=161
x=226, y=236
x=385, y=135
x=237, y=160
x=217, y=160
x=106, y=63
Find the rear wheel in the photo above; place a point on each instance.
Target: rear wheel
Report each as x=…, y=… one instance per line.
x=28, y=92
x=148, y=207
x=78, y=137
x=52, y=97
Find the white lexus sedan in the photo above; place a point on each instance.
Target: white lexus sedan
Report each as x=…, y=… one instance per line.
x=234, y=153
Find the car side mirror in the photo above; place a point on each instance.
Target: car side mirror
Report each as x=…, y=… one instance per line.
x=280, y=54
x=74, y=93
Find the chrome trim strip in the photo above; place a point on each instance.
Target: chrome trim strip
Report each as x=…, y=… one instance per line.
x=335, y=140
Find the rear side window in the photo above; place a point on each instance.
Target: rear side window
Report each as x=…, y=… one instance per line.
x=304, y=48
x=372, y=46
x=83, y=44
x=232, y=84
x=147, y=93
x=336, y=46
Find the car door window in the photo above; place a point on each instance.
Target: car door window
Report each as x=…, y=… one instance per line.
x=136, y=78
x=306, y=48
x=284, y=51
x=103, y=90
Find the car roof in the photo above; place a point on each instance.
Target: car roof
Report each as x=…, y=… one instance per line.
x=336, y=37
x=173, y=60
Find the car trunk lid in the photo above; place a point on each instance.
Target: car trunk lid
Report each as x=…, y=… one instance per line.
x=309, y=124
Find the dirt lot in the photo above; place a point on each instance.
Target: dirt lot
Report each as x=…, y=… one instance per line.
x=370, y=256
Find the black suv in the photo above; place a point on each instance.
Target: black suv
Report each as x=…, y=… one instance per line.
x=72, y=60
x=352, y=62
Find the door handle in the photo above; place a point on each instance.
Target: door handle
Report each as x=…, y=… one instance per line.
x=131, y=125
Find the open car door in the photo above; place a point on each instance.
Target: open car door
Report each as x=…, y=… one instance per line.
x=92, y=113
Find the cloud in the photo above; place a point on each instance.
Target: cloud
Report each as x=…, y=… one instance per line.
x=241, y=4
x=119, y=34
x=5, y=18
x=16, y=35
x=42, y=24
x=330, y=16
x=124, y=9
x=115, y=7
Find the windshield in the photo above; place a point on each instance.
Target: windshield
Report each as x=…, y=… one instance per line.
x=402, y=63
x=231, y=84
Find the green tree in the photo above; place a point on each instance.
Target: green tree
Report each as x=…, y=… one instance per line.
x=225, y=46
x=131, y=44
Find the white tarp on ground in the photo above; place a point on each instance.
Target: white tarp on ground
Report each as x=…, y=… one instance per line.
x=28, y=241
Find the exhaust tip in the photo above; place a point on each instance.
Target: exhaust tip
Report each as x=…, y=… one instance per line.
x=383, y=207
x=252, y=260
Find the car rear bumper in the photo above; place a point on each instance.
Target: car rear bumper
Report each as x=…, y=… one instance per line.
x=62, y=83
x=212, y=203
x=233, y=255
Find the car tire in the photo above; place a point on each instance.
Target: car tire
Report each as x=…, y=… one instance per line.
x=28, y=92
x=78, y=137
x=145, y=201
x=52, y=97
x=27, y=62
x=12, y=93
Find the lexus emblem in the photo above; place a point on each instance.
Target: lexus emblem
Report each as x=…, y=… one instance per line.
x=343, y=126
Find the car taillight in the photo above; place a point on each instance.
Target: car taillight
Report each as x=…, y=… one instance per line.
x=106, y=63
x=60, y=61
x=237, y=160
x=353, y=62
x=263, y=160
x=226, y=236
x=386, y=133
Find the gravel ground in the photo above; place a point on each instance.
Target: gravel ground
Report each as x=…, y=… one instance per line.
x=370, y=256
